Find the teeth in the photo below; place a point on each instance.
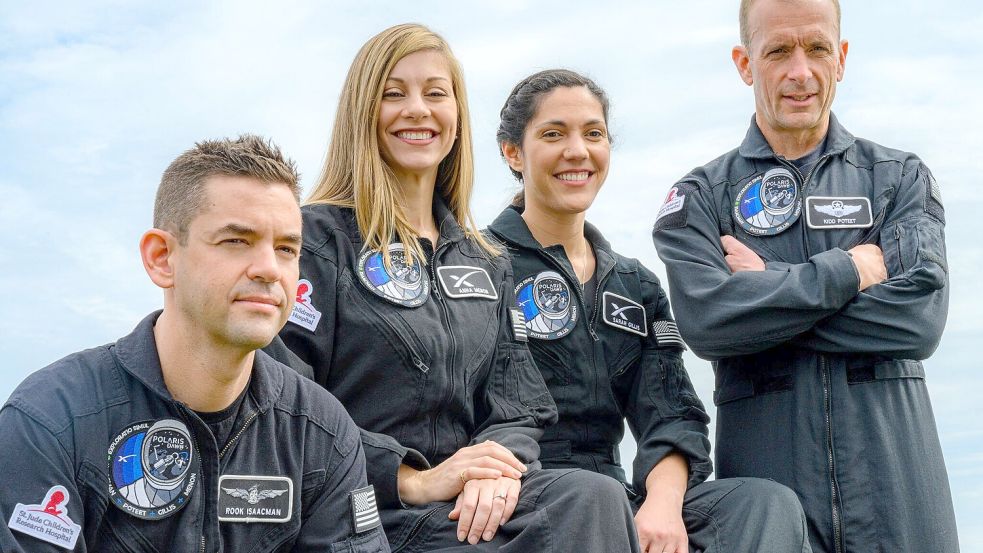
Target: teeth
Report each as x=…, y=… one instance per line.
x=415, y=135
x=582, y=175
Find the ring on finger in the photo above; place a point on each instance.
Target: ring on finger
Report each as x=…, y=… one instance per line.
x=463, y=479
x=500, y=495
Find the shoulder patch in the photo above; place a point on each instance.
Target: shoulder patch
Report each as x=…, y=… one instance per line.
x=403, y=283
x=153, y=469
x=47, y=521
x=547, y=304
x=673, y=212
x=304, y=312
x=769, y=203
x=462, y=281
x=249, y=498
x=365, y=513
x=667, y=334
x=933, y=198
x=624, y=314
x=518, y=325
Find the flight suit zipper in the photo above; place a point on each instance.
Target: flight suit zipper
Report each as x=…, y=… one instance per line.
x=441, y=302
x=416, y=529
x=830, y=458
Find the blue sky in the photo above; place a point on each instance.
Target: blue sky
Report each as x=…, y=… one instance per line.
x=97, y=97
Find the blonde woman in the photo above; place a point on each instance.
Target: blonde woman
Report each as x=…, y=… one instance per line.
x=403, y=313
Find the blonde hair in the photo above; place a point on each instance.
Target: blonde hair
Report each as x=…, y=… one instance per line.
x=355, y=175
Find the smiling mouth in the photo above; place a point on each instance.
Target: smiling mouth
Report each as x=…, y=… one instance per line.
x=799, y=97
x=415, y=135
x=574, y=176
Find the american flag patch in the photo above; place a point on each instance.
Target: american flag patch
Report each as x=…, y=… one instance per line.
x=519, y=326
x=365, y=514
x=667, y=334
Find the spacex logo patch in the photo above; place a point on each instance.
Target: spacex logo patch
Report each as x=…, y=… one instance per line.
x=625, y=314
x=461, y=281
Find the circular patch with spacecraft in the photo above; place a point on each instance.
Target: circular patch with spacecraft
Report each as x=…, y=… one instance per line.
x=548, y=305
x=152, y=468
x=769, y=203
x=402, y=283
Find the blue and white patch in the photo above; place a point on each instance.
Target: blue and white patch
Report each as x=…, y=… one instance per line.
x=624, y=314
x=304, y=312
x=462, y=281
x=824, y=212
x=153, y=469
x=547, y=304
x=47, y=521
x=365, y=512
x=249, y=498
x=769, y=203
x=403, y=283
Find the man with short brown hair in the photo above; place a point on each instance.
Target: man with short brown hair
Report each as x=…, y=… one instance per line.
x=181, y=436
x=809, y=265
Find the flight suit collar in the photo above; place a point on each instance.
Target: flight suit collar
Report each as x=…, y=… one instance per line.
x=755, y=146
x=137, y=354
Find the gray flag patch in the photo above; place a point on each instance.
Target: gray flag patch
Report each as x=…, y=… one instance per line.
x=365, y=513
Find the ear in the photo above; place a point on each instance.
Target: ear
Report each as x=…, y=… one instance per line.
x=156, y=250
x=844, y=46
x=742, y=61
x=513, y=156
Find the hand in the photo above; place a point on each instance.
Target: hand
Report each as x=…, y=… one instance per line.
x=740, y=257
x=869, y=261
x=660, y=525
x=483, y=506
x=446, y=480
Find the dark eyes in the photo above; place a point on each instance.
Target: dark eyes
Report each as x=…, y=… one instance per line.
x=434, y=93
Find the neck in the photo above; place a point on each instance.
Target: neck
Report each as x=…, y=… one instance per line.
x=564, y=229
x=198, y=373
x=417, y=204
x=793, y=144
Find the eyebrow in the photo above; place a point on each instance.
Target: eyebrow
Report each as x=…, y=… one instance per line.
x=559, y=123
x=241, y=230
x=429, y=79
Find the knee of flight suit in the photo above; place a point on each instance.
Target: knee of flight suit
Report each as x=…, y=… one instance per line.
x=603, y=493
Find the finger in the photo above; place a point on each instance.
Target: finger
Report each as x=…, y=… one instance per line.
x=727, y=242
x=482, y=512
x=469, y=501
x=499, y=501
x=488, y=461
x=456, y=511
x=480, y=473
x=511, y=500
x=501, y=453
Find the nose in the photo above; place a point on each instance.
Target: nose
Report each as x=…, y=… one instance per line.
x=264, y=266
x=576, y=149
x=415, y=107
x=798, y=69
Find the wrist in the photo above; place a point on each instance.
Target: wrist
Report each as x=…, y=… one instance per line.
x=408, y=482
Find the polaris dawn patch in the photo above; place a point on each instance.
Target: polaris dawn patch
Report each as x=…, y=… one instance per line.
x=625, y=314
x=834, y=212
x=365, y=512
x=152, y=469
x=403, y=283
x=47, y=521
x=461, y=281
x=768, y=204
x=304, y=312
x=250, y=498
x=547, y=304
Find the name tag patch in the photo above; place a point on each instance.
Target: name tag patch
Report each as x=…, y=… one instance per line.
x=47, y=521
x=365, y=513
x=461, y=281
x=625, y=314
x=824, y=212
x=249, y=498
x=304, y=313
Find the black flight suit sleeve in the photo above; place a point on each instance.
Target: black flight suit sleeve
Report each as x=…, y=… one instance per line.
x=513, y=404
x=723, y=314
x=663, y=410
x=34, y=460
x=902, y=317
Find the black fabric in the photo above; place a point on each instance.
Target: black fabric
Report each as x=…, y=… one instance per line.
x=221, y=423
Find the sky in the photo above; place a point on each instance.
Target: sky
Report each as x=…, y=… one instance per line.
x=96, y=98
